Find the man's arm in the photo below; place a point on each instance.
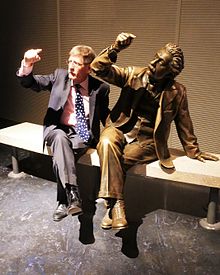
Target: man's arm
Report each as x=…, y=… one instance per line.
x=26, y=77
x=103, y=65
x=30, y=57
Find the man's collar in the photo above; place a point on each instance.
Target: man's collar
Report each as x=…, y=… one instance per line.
x=83, y=84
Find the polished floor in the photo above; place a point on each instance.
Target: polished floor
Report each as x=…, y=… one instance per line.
x=164, y=243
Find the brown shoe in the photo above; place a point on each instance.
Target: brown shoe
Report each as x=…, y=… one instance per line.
x=107, y=221
x=118, y=215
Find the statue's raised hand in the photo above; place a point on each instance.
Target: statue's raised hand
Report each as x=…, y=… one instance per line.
x=123, y=41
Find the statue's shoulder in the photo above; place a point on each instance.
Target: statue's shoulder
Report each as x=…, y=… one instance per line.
x=179, y=86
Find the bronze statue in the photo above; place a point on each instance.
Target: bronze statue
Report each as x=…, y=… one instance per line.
x=138, y=126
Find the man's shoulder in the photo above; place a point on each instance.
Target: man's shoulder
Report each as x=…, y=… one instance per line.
x=96, y=83
x=60, y=75
x=61, y=71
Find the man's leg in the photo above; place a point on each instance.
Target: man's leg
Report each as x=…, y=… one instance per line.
x=69, y=201
x=61, y=210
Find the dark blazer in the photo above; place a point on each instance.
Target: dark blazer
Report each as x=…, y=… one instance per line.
x=58, y=84
x=173, y=104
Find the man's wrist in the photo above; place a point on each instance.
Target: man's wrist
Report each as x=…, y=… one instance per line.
x=27, y=64
x=25, y=69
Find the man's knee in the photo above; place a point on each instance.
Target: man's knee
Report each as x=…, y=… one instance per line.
x=56, y=136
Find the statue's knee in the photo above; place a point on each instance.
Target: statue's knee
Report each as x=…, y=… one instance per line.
x=110, y=138
x=104, y=141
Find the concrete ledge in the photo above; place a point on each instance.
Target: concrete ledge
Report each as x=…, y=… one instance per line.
x=187, y=189
x=187, y=170
x=27, y=136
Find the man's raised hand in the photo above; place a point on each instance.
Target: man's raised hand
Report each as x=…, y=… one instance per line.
x=31, y=56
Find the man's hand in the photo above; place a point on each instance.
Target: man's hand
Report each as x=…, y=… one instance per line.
x=123, y=40
x=31, y=56
x=205, y=156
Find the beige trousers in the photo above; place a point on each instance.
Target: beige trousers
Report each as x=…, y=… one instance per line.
x=117, y=156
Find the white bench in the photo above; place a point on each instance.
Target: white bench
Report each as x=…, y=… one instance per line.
x=29, y=136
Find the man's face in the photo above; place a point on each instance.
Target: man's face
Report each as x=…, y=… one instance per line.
x=77, y=70
x=159, y=68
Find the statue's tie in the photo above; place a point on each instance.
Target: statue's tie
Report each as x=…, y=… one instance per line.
x=81, y=123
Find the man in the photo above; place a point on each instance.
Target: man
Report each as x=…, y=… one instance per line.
x=74, y=95
x=138, y=126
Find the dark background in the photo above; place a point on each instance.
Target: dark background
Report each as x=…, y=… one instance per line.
x=56, y=26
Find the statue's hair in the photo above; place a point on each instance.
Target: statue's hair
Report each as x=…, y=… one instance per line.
x=177, y=63
x=86, y=52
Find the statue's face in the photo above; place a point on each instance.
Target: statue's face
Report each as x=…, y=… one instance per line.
x=159, y=68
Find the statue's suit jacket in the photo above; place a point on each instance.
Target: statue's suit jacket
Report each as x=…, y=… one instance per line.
x=58, y=84
x=173, y=105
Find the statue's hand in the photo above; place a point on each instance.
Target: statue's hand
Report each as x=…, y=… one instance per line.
x=123, y=41
x=206, y=156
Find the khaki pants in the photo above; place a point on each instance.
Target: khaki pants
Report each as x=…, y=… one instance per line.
x=117, y=156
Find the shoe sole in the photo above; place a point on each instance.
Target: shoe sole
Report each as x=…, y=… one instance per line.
x=74, y=211
x=120, y=227
x=59, y=219
x=106, y=227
